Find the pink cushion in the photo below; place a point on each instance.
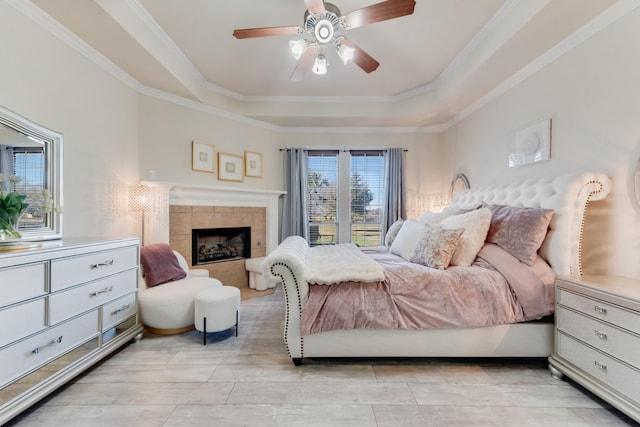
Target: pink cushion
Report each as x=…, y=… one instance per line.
x=519, y=231
x=160, y=265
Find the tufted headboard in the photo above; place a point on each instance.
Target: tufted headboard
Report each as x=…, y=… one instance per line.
x=567, y=195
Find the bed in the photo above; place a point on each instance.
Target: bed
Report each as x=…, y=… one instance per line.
x=567, y=196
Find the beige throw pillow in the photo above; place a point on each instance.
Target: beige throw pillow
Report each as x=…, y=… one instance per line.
x=435, y=246
x=476, y=226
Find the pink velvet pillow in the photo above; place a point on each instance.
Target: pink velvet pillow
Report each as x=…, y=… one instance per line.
x=160, y=264
x=519, y=231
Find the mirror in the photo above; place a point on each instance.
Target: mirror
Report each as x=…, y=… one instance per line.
x=33, y=153
x=459, y=183
x=637, y=182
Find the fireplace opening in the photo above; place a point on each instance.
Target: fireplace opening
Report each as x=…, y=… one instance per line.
x=220, y=244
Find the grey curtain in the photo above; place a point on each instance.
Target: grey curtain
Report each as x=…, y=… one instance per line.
x=394, y=191
x=294, y=215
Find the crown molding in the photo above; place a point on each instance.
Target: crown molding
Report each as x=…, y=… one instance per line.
x=599, y=23
x=617, y=11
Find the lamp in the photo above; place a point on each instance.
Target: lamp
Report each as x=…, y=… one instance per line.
x=298, y=47
x=345, y=52
x=141, y=199
x=320, y=65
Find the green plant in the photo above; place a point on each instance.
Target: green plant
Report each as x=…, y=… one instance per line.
x=14, y=204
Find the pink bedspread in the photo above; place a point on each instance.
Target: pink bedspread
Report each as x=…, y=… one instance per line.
x=417, y=297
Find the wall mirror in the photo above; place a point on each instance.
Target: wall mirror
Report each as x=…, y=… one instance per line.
x=33, y=153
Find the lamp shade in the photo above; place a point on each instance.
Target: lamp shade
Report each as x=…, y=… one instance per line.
x=141, y=198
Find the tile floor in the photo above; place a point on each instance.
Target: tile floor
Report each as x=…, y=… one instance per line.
x=250, y=381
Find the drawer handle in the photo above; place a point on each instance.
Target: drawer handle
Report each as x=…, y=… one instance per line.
x=102, y=264
x=600, y=334
x=600, y=310
x=600, y=366
x=104, y=291
x=49, y=344
x=124, y=307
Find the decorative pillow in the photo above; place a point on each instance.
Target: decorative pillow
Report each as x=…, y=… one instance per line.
x=435, y=246
x=160, y=264
x=476, y=226
x=433, y=217
x=405, y=242
x=392, y=232
x=519, y=231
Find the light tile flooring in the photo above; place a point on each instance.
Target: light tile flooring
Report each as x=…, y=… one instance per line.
x=250, y=381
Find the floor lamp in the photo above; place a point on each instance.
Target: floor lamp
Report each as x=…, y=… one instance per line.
x=141, y=199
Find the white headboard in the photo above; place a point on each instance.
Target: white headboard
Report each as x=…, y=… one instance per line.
x=567, y=195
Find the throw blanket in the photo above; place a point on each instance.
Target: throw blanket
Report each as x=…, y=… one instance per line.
x=348, y=263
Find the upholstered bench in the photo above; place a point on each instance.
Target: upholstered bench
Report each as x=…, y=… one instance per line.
x=168, y=308
x=217, y=309
x=257, y=280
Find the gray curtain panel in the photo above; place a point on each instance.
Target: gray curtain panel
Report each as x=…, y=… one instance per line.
x=395, y=202
x=294, y=215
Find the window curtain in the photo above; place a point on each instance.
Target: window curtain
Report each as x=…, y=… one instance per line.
x=294, y=215
x=394, y=191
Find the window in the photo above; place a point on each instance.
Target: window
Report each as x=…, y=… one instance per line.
x=29, y=165
x=345, y=196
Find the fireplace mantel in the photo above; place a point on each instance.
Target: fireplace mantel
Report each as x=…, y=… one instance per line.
x=201, y=195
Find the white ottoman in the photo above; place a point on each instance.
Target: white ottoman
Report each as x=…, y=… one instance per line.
x=217, y=309
x=256, y=279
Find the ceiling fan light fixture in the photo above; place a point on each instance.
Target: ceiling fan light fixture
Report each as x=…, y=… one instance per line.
x=345, y=52
x=320, y=65
x=324, y=31
x=298, y=47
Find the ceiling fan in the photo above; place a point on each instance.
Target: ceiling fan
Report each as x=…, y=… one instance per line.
x=322, y=28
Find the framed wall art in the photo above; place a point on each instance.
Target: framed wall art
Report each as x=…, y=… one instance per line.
x=531, y=144
x=202, y=157
x=230, y=167
x=253, y=164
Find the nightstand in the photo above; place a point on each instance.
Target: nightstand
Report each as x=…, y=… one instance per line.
x=597, y=338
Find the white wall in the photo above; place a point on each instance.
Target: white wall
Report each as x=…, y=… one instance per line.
x=168, y=129
x=45, y=80
x=592, y=96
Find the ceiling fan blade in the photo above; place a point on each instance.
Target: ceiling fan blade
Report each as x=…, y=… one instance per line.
x=361, y=58
x=304, y=64
x=247, y=33
x=379, y=12
x=315, y=6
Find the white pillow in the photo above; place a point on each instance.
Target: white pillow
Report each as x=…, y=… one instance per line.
x=476, y=226
x=433, y=217
x=405, y=242
x=392, y=232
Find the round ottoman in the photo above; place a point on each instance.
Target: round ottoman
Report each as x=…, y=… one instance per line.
x=217, y=309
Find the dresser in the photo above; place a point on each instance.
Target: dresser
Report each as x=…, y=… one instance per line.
x=597, y=338
x=64, y=306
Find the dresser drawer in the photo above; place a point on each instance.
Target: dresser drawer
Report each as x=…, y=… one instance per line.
x=22, y=282
x=27, y=355
x=609, y=339
x=21, y=320
x=71, y=302
x=67, y=272
x=118, y=310
x=608, y=312
x=614, y=374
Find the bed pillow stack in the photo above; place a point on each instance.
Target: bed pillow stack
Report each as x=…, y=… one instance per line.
x=437, y=240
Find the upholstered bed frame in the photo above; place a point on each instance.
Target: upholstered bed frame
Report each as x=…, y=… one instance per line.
x=567, y=195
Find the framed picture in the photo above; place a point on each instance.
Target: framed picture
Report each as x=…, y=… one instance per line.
x=531, y=144
x=253, y=164
x=230, y=167
x=202, y=157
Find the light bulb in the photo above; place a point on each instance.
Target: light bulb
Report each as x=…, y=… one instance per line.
x=320, y=65
x=345, y=53
x=297, y=47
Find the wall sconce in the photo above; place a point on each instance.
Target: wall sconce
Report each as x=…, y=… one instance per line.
x=141, y=199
